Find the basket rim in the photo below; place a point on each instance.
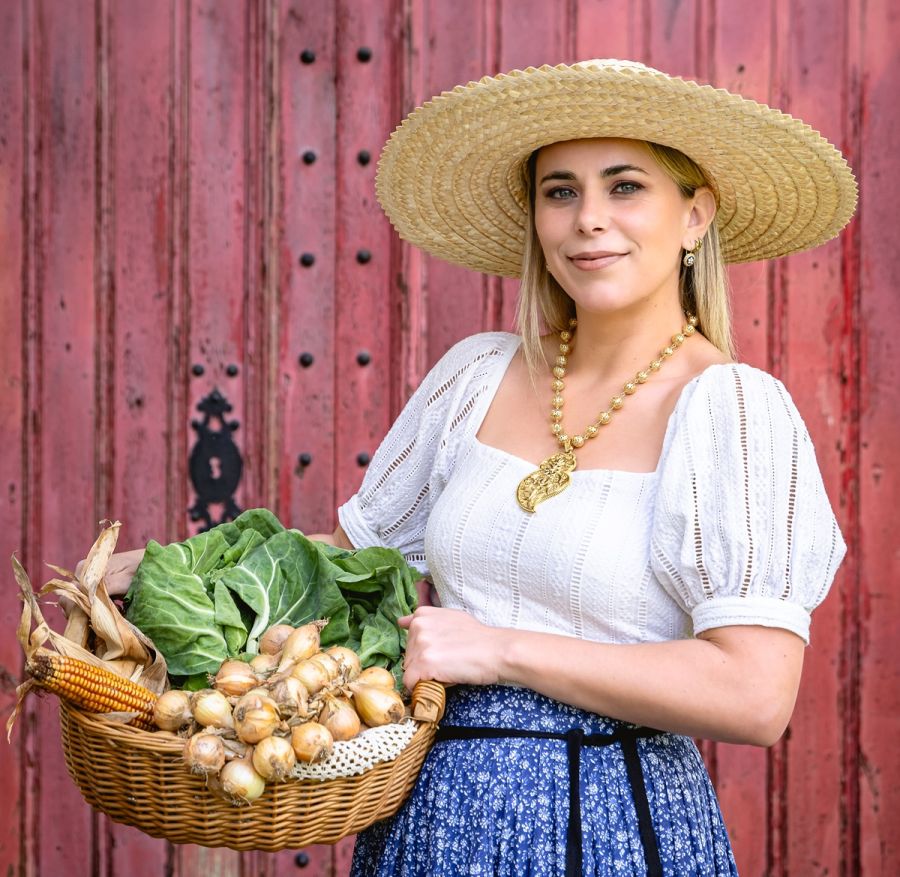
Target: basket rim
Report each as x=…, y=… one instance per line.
x=154, y=742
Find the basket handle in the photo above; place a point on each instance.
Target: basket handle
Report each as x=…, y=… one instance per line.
x=428, y=700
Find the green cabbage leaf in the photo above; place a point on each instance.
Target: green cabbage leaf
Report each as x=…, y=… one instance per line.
x=212, y=596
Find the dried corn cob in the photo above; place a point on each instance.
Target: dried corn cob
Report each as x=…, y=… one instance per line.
x=93, y=689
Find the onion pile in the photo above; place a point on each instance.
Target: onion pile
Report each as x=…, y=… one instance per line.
x=289, y=704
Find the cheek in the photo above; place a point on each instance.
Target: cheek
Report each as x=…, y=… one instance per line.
x=658, y=230
x=545, y=234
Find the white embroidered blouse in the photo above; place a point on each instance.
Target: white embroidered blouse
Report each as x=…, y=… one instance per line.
x=733, y=527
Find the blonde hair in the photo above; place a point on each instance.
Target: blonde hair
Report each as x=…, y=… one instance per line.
x=703, y=288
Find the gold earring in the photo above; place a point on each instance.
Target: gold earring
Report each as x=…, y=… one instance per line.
x=690, y=257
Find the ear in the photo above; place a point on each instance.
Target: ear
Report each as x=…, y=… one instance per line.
x=703, y=212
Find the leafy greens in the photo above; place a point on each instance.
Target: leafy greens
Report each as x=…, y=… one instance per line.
x=212, y=596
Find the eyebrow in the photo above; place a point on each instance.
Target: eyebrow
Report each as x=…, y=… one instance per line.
x=612, y=171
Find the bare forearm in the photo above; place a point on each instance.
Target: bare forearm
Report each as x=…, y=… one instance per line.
x=120, y=570
x=338, y=538
x=695, y=687
x=131, y=559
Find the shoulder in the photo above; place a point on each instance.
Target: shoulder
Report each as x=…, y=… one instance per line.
x=483, y=345
x=737, y=394
x=736, y=424
x=475, y=355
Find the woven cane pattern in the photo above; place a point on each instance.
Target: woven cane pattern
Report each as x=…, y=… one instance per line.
x=351, y=758
x=138, y=778
x=450, y=176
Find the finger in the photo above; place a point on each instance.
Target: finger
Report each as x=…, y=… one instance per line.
x=405, y=621
x=410, y=679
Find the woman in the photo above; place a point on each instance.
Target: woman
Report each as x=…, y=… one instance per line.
x=602, y=601
x=666, y=582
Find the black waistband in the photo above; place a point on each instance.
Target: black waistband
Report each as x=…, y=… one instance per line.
x=574, y=740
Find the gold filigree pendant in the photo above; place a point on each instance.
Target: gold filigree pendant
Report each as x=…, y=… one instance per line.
x=550, y=478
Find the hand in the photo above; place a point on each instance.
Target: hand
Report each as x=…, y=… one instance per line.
x=119, y=571
x=452, y=647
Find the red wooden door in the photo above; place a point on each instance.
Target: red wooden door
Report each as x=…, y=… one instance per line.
x=186, y=204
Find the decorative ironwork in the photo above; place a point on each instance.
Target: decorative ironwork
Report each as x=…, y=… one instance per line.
x=215, y=464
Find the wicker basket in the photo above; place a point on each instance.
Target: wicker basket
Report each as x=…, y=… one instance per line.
x=138, y=778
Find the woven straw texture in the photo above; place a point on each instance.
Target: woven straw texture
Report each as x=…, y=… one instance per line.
x=349, y=758
x=450, y=176
x=139, y=779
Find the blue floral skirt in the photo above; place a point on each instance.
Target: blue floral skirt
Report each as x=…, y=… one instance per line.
x=492, y=807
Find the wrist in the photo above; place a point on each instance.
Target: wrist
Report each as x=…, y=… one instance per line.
x=508, y=663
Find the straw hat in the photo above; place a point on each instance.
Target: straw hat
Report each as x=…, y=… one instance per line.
x=450, y=176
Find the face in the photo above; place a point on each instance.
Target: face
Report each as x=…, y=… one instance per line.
x=612, y=224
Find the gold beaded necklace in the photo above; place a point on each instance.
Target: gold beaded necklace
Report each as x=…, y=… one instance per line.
x=552, y=475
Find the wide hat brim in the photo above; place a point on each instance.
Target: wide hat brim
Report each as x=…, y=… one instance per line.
x=450, y=176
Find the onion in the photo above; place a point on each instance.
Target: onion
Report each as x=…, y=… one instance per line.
x=377, y=676
x=291, y=696
x=260, y=690
x=172, y=710
x=375, y=705
x=328, y=664
x=303, y=643
x=347, y=658
x=264, y=664
x=211, y=708
x=272, y=641
x=234, y=748
x=312, y=674
x=311, y=742
x=274, y=759
x=235, y=678
x=255, y=718
x=240, y=781
x=204, y=753
x=340, y=718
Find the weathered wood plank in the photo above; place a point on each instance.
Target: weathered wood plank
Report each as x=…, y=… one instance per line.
x=456, y=43
x=814, y=355
x=135, y=52
x=673, y=38
x=610, y=29
x=740, y=60
x=189, y=861
x=367, y=97
x=212, y=246
x=217, y=232
x=62, y=367
x=15, y=504
x=141, y=267
x=874, y=66
x=259, y=350
x=179, y=492
x=307, y=112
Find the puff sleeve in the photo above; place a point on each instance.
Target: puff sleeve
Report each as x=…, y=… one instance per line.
x=743, y=530
x=413, y=462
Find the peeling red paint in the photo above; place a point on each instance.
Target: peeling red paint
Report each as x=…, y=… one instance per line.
x=157, y=185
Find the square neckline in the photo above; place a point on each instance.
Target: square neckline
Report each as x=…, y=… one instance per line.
x=492, y=393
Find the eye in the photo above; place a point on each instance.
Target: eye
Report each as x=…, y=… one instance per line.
x=626, y=187
x=560, y=193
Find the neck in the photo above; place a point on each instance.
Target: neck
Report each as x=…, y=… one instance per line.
x=620, y=342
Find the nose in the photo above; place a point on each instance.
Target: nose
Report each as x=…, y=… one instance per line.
x=592, y=215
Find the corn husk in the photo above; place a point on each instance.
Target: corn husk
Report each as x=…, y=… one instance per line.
x=118, y=645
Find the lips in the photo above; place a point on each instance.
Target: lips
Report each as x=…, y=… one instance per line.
x=595, y=259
